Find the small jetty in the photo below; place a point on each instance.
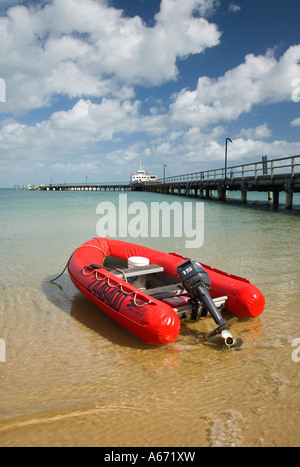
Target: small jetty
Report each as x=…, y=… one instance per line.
x=102, y=186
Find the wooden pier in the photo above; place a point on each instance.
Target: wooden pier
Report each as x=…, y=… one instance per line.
x=270, y=176
x=273, y=176
x=102, y=186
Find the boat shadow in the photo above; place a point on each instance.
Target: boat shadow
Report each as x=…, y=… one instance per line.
x=64, y=296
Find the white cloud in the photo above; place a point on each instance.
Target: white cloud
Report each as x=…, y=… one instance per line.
x=90, y=49
x=260, y=132
x=98, y=122
x=234, y=8
x=254, y=149
x=67, y=132
x=259, y=80
x=189, y=131
x=296, y=122
x=80, y=167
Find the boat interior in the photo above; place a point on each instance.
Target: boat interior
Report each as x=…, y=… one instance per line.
x=157, y=284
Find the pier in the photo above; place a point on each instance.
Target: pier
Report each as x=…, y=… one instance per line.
x=269, y=176
x=273, y=176
x=102, y=186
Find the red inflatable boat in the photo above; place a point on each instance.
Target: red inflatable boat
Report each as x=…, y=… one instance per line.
x=149, y=300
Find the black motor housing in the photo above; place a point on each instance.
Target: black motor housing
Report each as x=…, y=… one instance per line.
x=192, y=273
x=197, y=282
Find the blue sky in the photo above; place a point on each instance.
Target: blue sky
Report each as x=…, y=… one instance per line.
x=93, y=86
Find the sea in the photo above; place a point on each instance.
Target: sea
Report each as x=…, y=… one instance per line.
x=70, y=376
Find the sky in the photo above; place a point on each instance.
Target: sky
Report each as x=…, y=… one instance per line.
x=89, y=88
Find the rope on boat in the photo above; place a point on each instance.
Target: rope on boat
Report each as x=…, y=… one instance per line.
x=117, y=285
x=82, y=246
x=135, y=294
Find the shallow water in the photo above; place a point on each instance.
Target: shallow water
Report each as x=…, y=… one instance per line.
x=73, y=377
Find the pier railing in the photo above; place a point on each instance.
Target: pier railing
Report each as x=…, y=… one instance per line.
x=268, y=168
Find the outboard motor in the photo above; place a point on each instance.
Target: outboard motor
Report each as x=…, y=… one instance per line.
x=197, y=282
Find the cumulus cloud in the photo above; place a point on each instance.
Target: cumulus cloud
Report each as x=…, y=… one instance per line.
x=192, y=125
x=91, y=49
x=259, y=80
x=83, y=126
x=296, y=122
x=260, y=132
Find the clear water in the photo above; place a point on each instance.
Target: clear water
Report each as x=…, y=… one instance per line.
x=73, y=377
